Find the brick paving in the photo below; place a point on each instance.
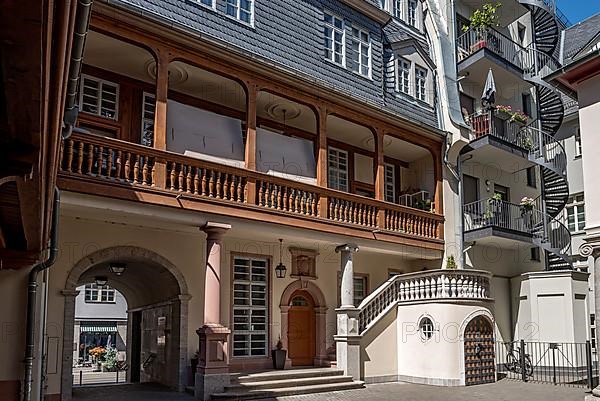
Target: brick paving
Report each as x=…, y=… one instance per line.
x=505, y=390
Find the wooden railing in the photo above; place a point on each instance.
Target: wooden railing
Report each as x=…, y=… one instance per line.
x=426, y=286
x=120, y=162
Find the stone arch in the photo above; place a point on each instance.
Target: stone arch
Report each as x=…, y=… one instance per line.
x=179, y=301
x=320, y=316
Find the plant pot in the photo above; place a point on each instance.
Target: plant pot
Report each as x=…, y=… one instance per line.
x=278, y=356
x=478, y=45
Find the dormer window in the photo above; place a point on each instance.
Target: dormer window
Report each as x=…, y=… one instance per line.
x=412, y=12
x=421, y=83
x=397, y=8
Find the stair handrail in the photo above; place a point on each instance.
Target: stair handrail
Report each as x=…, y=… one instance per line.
x=423, y=286
x=544, y=149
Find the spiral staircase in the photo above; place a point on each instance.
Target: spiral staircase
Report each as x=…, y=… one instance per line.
x=549, y=232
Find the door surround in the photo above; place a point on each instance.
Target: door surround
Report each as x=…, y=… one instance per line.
x=320, y=317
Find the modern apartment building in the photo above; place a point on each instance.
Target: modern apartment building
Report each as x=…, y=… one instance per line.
x=316, y=176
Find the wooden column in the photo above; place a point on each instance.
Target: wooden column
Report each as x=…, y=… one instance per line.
x=379, y=173
x=160, y=114
x=322, y=159
x=250, y=150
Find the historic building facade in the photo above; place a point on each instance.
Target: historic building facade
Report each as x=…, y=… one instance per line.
x=317, y=177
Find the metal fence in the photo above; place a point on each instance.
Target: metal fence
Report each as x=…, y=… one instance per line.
x=571, y=364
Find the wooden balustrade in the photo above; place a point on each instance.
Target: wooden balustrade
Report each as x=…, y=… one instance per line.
x=96, y=157
x=424, y=286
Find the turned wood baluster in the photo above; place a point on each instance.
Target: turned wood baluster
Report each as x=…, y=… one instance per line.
x=90, y=160
x=226, y=186
x=211, y=184
x=136, y=169
x=336, y=210
x=241, y=189
x=100, y=161
x=61, y=155
x=69, y=155
x=172, y=175
x=188, y=180
x=261, y=193
x=127, y=166
x=232, y=188
x=180, y=177
x=330, y=207
x=203, y=172
x=197, y=181
x=313, y=204
x=297, y=200
x=80, y=158
x=218, y=186
x=153, y=174
x=284, y=202
x=118, y=165
x=272, y=196
x=109, y=153
x=145, y=171
x=279, y=200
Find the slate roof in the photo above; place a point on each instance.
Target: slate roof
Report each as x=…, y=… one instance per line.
x=288, y=34
x=578, y=36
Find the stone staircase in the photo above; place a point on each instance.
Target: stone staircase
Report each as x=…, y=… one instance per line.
x=273, y=384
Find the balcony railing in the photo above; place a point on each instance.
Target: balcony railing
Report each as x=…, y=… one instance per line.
x=493, y=122
x=475, y=39
x=123, y=163
x=426, y=286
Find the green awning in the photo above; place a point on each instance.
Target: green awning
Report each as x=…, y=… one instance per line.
x=98, y=328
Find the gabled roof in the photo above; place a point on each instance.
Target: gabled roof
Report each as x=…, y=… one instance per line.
x=397, y=32
x=579, y=36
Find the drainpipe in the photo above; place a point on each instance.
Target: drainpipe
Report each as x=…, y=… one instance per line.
x=82, y=22
x=32, y=298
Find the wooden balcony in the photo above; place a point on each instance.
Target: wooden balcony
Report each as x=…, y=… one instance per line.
x=109, y=167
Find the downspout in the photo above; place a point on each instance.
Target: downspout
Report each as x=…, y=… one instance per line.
x=32, y=298
x=82, y=22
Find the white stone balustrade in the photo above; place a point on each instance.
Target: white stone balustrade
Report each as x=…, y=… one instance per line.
x=426, y=286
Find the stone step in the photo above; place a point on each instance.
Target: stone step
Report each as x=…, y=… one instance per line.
x=281, y=383
x=285, y=375
x=286, y=391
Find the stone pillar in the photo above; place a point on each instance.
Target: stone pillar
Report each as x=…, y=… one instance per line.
x=212, y=374
x=591, y=250
x=348, y=335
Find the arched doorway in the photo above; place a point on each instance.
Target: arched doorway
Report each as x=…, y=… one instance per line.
x=157, y=301
x=301, y=329
x=479, y=351
x=310, y=294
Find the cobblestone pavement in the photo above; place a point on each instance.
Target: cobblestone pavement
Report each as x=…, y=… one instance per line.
x=504, y=390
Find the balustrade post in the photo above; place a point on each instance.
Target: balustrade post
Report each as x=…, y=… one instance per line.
x=160, y=114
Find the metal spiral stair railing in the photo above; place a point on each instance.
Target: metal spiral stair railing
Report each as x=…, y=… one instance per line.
x=540, y=60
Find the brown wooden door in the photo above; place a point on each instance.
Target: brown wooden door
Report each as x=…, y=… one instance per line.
x=479, y=352
x=301, y=329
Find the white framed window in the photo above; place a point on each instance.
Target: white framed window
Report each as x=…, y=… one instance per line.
x=421, y=83
x=242, y=10
x=334, y=38
x=148, y=107
x=576, y=213
x=99, y=294
x=360, y=288
x=404, y=75
x=360, y=56
x=99, y=97
x=250, y=308
x=390, y=182
x=426, y=328
x=412, y=12
x=338, y=169
x=397, y=8
x=577, y=142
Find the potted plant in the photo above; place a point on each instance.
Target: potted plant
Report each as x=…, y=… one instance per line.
x=279, y=355
x=526, y=142
x=504, y=112
x=97, y=354
x=451, y=263
x=479, y=22
x=519, y=117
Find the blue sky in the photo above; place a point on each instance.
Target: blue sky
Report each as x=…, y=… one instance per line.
x=577, y=10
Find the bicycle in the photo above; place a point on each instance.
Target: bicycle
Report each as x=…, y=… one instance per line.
x=513, y=362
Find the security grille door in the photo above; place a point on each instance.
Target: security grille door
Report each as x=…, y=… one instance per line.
x=479, y=352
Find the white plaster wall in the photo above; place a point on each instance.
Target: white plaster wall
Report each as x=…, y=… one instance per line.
x=418, y=176
x=100, y=310
x=379, y=350
x=363, y=168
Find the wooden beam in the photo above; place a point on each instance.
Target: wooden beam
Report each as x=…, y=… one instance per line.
x=160, y=113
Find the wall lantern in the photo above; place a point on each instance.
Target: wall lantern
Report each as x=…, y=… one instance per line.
x=101, y=280
x=117, y=268
x=280, y=270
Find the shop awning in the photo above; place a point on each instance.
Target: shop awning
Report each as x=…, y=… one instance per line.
x=98, y=328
